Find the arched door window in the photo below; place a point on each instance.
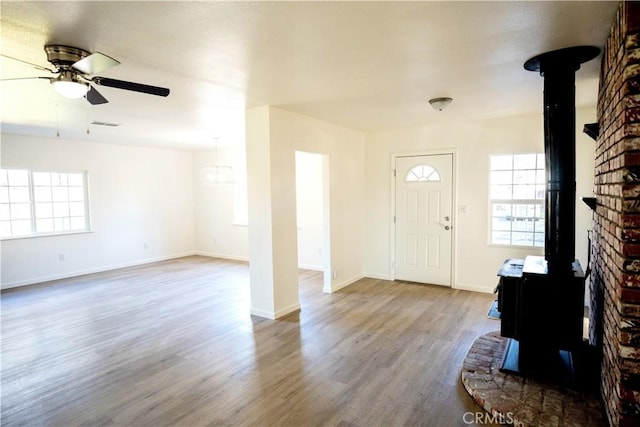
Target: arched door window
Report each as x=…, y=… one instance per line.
x=422, y=173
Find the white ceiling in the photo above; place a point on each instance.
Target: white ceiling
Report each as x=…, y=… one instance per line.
x=365, y=65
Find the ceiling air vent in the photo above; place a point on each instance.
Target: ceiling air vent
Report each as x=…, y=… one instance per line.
x=99, y=123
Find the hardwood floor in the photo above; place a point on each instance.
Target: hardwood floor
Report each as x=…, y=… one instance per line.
x=172, y=343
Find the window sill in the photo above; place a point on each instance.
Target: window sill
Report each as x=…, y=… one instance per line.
x=496, y=245
x=35, y=236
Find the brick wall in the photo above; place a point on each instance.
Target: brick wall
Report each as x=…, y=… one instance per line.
x=615, y=250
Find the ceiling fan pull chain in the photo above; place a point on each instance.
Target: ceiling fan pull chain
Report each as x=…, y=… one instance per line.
x=57, y=120
x=86, y=109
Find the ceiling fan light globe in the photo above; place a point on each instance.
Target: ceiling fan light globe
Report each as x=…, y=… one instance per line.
x=70, y=89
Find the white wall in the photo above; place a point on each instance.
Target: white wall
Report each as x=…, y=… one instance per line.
x=475, y=261
x=262, y=253
x=345, y=151
x=273, y=137
x=138, y=196
x=217, y=233
x=585, y=184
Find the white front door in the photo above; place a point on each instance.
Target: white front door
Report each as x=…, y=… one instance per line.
x=423, y=219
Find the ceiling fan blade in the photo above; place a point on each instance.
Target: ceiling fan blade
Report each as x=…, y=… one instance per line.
x=136, y=87
x=25, y=78
x=95, y=63
x=94, y=97
x=36, y=66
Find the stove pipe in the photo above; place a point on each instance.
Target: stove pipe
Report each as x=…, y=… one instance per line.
x=558, y=68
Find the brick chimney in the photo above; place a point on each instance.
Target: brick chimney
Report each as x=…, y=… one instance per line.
x=615, y=241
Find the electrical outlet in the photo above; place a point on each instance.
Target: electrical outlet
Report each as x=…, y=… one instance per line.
x=146, y=245
x=334, y=274
x=61, y=257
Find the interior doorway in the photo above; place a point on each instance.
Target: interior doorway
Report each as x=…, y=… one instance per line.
x=312, y=214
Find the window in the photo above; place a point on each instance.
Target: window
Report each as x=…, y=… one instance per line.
x=422, y=173
x=15, y=203
x=516, y=193
x=40, y=203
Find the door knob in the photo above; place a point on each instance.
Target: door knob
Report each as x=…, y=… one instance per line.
x=446, y=218
x=446, y=227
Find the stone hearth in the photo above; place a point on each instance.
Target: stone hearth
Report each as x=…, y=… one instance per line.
x=513, y=399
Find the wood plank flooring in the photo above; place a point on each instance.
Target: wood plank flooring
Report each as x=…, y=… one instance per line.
x=172, y=343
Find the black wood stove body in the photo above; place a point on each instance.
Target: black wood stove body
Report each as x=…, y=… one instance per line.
x=541, y=299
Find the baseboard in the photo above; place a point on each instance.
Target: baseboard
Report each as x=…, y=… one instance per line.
x=463, y=287
x=262, y=313
x=287, y=310
x=379, y=276
x=223, y=256
x=311, y=267
x=337, y=286
x=77, y=273
x=274, y=315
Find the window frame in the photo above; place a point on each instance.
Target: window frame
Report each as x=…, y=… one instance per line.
x=422, y=177
x=537, y=203
x=32, y=204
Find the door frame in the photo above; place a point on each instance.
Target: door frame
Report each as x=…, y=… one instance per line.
x=454, y=202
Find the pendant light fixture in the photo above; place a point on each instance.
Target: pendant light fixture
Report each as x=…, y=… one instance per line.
x=216, y=174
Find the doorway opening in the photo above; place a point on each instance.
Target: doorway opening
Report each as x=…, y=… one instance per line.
x=312, y=214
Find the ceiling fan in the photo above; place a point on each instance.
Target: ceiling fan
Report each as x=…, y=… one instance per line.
x=76, y=69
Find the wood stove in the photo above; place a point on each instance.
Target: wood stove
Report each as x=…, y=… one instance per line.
x=541, y=299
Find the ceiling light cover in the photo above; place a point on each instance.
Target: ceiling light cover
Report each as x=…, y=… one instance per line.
x=70, y=89
x=440, y=103
x=216, y=174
